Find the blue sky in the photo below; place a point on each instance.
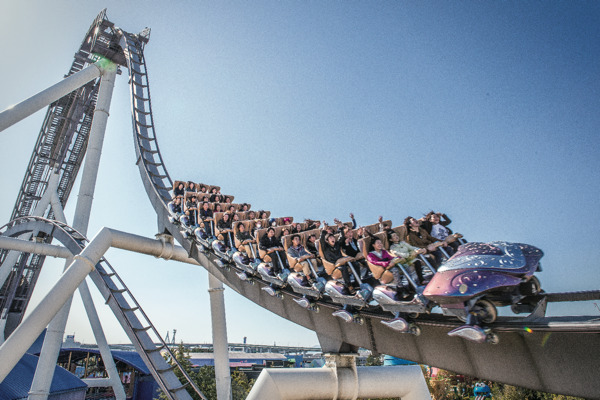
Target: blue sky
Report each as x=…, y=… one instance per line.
x=485, y=110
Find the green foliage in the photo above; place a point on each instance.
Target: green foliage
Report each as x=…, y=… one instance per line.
x=446, y=386
x=508, y=392
x=204, y=378
x=184, y=361
x=374, y=360
x=240, y=385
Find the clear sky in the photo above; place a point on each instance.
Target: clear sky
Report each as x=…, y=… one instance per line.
x=487, y=111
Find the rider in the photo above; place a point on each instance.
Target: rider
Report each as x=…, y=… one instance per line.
x=224, y=226
x=175, y=207
x=303, y=258
x=407, y=254
x=206, y=216
x=274, y=249
x=332, y=252
x=380, y=257
x=438, y=229
x=418, y=237
x=246, y=240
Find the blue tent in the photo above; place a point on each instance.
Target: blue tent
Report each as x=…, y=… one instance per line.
x=17, y=383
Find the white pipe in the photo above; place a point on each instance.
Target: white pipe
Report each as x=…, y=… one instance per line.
x=30, y=328
x=94, y=149
x=59, y=213
x=109, y=363
x=16, y=113
x=27, y=246
x=219, y=333
x=153, y=247
x=406, y=382
x=114, y=380
x=40, y=387
x=44, y=371
x=121, y=240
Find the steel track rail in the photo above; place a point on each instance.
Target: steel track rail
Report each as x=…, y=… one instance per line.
x=527, y=352
x=158, y=183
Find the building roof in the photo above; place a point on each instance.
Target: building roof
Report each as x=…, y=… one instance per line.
x=17, y=383
x=236, y=357
x=131, y=358
x=239, y=355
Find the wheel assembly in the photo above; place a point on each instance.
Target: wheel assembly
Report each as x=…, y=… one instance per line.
x=485, y=311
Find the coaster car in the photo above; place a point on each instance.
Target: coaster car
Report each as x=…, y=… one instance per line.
x=483, y=276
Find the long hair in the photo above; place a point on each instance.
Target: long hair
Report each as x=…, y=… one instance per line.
x=407, y=226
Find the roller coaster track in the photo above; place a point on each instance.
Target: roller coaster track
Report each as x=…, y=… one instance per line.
x=59, y=149
x=553, y=354
x=543, y=353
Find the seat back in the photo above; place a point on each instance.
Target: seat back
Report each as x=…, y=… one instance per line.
x=248, y=204
x=209, y=188
x=176, y=183
x=258, y=235
x=287, y=242
x=282, y=221
x=279, y=229
x=304, y=236
x=203, y=196
x=374, y=228
x=227, y=206
x=401, y=231
x=218, y=216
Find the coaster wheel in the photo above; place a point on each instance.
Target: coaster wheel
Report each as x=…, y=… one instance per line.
x=485, y=310
x=531, y=287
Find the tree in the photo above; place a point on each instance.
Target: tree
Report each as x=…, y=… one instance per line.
x=204, y=378
x=184, y=360
x=240, y=385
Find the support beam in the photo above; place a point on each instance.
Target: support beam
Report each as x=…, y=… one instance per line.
x=32, y=326
x=16, y=113
x=113, y=380
x=28, y=246
x=121, y=240
x=406, y=382
x=42, y=379
x=219, y=332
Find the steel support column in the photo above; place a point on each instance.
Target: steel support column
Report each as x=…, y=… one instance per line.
x=219, y=332
x=16, y=113
x=40, y=387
